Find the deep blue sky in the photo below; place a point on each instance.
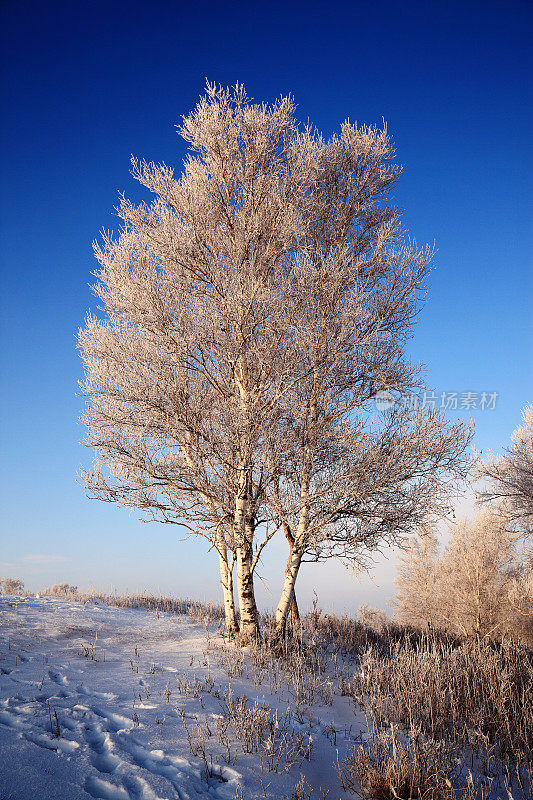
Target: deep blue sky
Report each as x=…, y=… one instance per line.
x=86, y=84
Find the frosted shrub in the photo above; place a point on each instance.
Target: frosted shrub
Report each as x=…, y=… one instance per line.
x=11, y=586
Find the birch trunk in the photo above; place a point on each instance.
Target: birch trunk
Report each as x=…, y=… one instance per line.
x=226, y=581
x=245, y=587
x=294, y=607
x=287, y=594
x=295, y=557
x=226, y=573
x=249, y=618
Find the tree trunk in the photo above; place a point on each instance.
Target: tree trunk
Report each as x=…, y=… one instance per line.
x=244, y=534
x=290, y=538
x=295, y=556
x=226, y=580
x=287, y=595
x=226, y=574
x=245, y=587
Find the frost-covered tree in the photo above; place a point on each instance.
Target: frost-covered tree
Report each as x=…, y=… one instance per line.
x=416, y=602
x=509, y=478
x=477, y=569
x=520, y=589
x=350, y=478
x=250, y=313
x=11, y=585
x=480, y=585
x=185, y=370
x=467, y=589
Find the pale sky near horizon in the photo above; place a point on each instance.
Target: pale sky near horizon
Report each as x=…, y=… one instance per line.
x=85, y=86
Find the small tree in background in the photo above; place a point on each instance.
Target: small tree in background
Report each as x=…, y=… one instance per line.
x=474, y=574
x=509, y=478
x=417, y=600
x=479, y=586
x=11, y=586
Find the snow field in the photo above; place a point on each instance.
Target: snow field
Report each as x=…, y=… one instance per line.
x=121, y=704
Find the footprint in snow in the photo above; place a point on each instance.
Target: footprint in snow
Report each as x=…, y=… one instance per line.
x=57, y=677
x=59, y=744
x=103, y=790
x=83, y=690
x=115, y=722
x=100, y=745
x=10, y=720
x=14, y=721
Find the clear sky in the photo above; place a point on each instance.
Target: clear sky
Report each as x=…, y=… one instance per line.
x=84, y=85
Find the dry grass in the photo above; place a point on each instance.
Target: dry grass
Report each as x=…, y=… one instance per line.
x=388, y=766
x=198, y=611
x=448, y=718
x=252, y=728
x=476, y=692
x=278, y=739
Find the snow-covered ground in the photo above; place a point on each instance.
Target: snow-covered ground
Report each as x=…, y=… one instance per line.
x=102, y=702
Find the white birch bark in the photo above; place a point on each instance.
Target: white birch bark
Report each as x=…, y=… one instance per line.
x=293, y=568
x=226, y=581
x=287, y=594
x=249, y=616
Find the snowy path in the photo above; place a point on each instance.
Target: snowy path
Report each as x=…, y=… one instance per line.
x=89, y=708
